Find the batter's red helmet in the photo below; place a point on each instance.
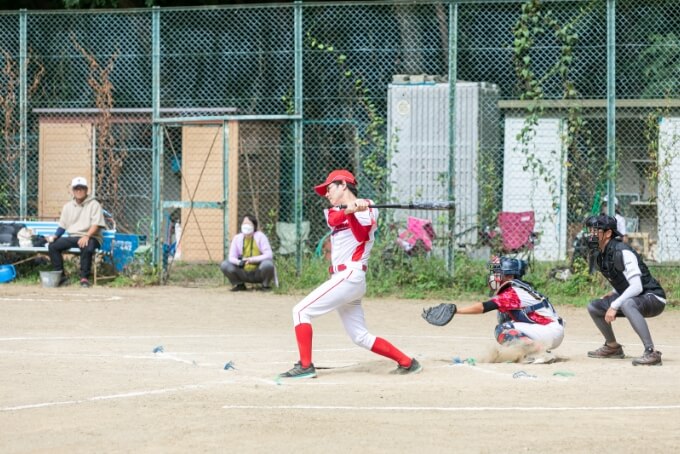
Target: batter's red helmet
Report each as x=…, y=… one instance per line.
x=336, y=175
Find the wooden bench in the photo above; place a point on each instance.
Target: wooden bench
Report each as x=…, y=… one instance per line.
x=47, y=228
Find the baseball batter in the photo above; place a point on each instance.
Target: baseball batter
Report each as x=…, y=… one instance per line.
x=352, y=236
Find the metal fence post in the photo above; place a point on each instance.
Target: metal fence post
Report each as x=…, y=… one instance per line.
x=298, y=132
x=157, y=139
x=453, y=75
x=611, y=105
x=23, y=116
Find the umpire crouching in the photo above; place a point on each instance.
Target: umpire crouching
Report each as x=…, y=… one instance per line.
x=636, y=294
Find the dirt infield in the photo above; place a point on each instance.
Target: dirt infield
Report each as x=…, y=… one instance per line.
x=79, y=374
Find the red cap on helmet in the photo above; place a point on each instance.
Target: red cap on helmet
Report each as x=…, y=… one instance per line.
x=336, y=175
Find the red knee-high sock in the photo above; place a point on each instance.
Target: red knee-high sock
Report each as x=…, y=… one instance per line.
x=303, y=334
x=384, y=348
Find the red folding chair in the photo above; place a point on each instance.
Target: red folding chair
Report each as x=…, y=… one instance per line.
x=517, y=234
x=417, y=237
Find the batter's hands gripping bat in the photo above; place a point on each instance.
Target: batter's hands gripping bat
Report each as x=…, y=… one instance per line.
x=413, y=206
x=439, y=315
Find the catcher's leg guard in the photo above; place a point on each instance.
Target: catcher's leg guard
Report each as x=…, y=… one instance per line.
x=507, y=333
x=502, y=317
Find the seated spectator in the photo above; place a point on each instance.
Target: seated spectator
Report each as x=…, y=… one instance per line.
x=83, y=219
x=251, y=259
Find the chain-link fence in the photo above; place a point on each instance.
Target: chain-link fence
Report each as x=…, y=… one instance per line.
x=187, y=119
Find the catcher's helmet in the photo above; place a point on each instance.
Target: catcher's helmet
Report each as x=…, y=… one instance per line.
x=516, y=267
x=507, y=265
x=604, y=222
x=504, y=266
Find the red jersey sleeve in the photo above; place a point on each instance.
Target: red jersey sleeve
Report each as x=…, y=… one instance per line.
x=359, y=230
x=507, y=300
x=336, y=217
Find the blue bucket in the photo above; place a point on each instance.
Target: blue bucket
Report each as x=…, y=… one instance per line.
x=7, y=273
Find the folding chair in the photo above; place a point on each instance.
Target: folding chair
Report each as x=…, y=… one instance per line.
x=417, y=237
x=517, y=234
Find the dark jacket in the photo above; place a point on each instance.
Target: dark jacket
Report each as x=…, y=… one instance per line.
x=610, y=263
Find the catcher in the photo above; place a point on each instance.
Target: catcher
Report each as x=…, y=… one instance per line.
x=525, y=317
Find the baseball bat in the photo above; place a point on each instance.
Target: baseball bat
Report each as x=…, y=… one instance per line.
x=448, y=205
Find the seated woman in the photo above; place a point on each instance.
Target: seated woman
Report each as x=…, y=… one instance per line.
x=250, y=258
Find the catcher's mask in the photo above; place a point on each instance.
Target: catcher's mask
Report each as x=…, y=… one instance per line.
x=504, y=266
x=601, y=222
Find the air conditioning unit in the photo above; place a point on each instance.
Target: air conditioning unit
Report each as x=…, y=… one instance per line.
x=418, y=126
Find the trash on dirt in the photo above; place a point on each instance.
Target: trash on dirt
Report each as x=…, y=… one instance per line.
x=522, y=374
x=458, y=361
x=563, y=373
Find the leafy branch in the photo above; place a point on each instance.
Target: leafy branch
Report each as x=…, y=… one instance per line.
x=536, y=22
x=373, y=136
x=109, y=160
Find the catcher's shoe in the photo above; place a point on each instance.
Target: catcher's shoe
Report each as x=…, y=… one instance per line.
x=607, y=352
x=648, y=358
x=300, y=372
x=544, y=358
x=414, y=368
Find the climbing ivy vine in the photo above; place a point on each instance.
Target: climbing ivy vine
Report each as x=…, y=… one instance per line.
x=536, y=24
x=371, y=138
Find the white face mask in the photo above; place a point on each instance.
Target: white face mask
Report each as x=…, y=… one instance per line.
x=247, y=229
x=494, y=283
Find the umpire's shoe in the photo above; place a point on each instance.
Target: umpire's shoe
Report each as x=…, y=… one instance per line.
x=607, y=352
x=300, y=372
x=648, y=358
x=414, y=368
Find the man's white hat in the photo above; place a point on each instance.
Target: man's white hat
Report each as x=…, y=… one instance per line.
x=606, y=198
x=78, y=181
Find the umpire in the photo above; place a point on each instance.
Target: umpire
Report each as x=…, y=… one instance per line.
x=636, y=294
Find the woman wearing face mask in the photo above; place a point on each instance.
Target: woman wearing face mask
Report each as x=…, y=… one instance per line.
x=250, y=258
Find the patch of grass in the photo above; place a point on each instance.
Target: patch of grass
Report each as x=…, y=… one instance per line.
x=391, y=273
x=195, y=274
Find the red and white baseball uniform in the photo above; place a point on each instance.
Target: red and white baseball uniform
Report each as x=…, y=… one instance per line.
x=352, y=238
x=530, y=312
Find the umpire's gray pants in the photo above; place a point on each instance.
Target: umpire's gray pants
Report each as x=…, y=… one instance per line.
x=635, y=309
x=264, y=274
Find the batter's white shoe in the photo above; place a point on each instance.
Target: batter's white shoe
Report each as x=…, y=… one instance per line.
x=300, y=372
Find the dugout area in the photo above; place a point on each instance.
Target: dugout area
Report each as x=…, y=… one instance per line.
x=210, y=179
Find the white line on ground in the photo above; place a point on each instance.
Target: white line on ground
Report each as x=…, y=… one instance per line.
x=448, y=409
x=160, y=336
x=128, y=395
x=61, y=298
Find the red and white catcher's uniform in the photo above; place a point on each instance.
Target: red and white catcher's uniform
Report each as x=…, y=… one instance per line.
x=529, y=312
x=352, y=237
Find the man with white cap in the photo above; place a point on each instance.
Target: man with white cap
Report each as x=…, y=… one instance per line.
x=83, y=219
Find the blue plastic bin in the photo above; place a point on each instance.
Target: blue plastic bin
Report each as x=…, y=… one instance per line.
x=124, y=247
x=7, y=273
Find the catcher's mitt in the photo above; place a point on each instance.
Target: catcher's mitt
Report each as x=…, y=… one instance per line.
x=439, y=315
